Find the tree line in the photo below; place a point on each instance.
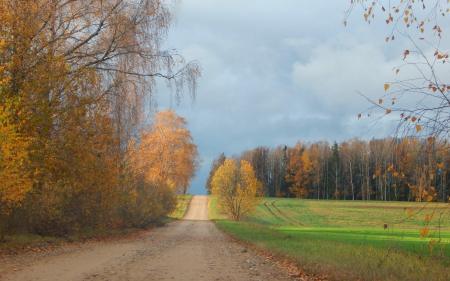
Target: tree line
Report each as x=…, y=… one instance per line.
x=77, y=79
x=390, y=169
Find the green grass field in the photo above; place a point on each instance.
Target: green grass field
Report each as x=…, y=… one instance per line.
x=329, y=213
x=347, y=239
x=358, y=222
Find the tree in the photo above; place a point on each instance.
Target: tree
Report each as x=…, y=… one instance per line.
x=348, y=166
x=317, y=174
x=277, y=169
x=217, y=162
x=335, y=170
x=81, y=75
x=236, y=188
x=299, y=169
x=260, y=165
x=167, y=153
x=15, y=181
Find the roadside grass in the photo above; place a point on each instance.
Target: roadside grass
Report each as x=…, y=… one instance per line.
x=214, y=214
x=346, y=239
x=183, y=203
x=20, y=243
x=23, y=240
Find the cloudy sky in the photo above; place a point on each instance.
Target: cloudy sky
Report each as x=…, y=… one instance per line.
x=275, y=72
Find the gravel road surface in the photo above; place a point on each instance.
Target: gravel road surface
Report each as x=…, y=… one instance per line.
x=187, y=249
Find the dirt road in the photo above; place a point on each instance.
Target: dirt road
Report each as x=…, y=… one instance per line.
x=188, y=249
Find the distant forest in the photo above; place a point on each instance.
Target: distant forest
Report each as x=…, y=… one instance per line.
x=390, y=169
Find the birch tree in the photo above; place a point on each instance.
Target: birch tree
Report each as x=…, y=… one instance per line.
x=237, y=190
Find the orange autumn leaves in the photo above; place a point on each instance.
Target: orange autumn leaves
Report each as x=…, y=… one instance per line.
x=166, y=153
x=425, y=233
x=301, y=166
x=388, y=111
x=15, y=180
x=73, y=99
x=427, y=27
x=400, y=10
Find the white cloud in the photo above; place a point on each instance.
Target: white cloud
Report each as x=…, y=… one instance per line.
x=335, y=71
x=276, y=73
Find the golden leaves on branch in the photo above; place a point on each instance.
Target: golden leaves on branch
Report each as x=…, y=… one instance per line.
x=236, y=188
x=82, y=120
x=167, y=152
x=405, y=54
x=15, y=179
x=300, y=166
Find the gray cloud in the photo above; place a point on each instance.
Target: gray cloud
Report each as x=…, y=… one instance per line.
x=278, y=72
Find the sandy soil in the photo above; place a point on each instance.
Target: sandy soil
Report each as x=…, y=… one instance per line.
x=188, y=249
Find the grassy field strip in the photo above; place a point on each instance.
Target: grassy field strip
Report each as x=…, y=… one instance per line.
x=346, y=239
x=285, y=215
x=275, y=215
x=406, y=240
x=183, y=203
x=341, y=260
x=367, y=214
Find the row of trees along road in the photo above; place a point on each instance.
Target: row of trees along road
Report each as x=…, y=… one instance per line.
x=387, y=169
x=76, y=80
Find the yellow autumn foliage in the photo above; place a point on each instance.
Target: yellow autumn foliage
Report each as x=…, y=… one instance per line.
x=167, y=153
x=237, y=190
x=15, y=180
x=161, y=165
x=78, y=94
